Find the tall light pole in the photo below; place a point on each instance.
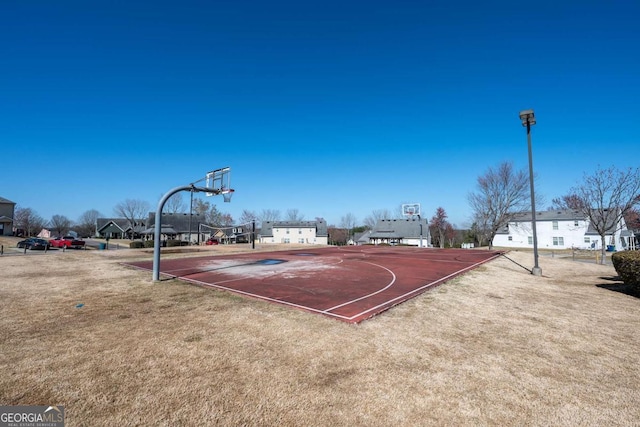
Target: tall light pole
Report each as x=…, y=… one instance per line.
x=529, y=119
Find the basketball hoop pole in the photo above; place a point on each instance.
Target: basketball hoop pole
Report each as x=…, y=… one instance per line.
x=158, y=225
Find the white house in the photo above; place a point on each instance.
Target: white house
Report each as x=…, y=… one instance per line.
x=559, y=229
x=303, y=232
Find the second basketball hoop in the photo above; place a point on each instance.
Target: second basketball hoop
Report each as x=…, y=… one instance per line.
x=409, y=210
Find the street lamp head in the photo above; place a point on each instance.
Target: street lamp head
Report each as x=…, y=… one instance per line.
x=527, y=117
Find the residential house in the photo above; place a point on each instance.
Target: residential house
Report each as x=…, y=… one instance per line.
x=559, y=229
x=227, y=235
x=304, y=232
x=118, y=228
x=180, y=226
x=7, y=212
x=404, y=231
x=45, y=233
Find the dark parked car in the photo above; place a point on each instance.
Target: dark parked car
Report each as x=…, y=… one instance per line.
x=34, y=243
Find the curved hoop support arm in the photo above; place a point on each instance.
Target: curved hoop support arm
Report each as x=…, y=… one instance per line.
x=158, y=224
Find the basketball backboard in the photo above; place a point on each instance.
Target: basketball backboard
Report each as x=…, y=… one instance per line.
x=219, y=182
x=409, y=210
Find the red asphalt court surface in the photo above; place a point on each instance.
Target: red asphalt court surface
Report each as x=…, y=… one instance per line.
x=347, y=283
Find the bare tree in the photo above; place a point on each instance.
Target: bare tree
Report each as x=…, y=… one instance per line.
x=501, y=193
x=269, y=215
x=632, y=219
x=226, y=219
x=294, y=215
x=28, y=220
x=175, y=204
x=215, y=217
x=133, y=210
x=569, y=201
x=439, y=224
x=348, y=222
x=450, y=233
x=87, y=222
x=200, y=207
x=378, y=214
x=247, y=217
x=605, y=198
x=337, y=236
x=60, y=224
x=479, y=229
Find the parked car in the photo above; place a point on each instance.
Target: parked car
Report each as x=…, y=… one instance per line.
x=34, y=243
x=211, y=241
x=67, y=242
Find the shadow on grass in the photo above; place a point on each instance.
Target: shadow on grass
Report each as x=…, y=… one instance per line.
x=618, y=286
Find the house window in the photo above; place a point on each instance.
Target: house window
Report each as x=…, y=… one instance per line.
x=587, y=239
x=287, y=231
x=299, y=231
x=576, y=223
x=558, y=241
x=287, y=240
x=530, y=240
x=510, y=238
x=300, y=240
x=555, y=225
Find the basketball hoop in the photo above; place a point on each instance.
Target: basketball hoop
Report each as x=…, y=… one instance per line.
x=409, y=210
x=227, y=194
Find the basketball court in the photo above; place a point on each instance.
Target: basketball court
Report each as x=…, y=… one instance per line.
x=350, y=284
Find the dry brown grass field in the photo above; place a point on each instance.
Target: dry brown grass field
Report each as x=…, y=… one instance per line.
x=494, y=347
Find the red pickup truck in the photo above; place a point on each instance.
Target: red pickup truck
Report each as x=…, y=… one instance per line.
x=67, y=242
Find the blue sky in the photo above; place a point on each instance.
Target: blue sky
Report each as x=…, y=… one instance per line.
x=329, y=107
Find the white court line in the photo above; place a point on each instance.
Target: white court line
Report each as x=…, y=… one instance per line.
x=393, y=280
x=262, y=297
x=428, y=285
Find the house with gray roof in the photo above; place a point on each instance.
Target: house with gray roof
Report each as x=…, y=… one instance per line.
x=181, y=226
x=117, y=228
x=559, y=229
x=7, y=212
x=303, y=232
x=403, y=231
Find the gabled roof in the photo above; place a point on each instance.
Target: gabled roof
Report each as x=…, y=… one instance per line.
x=7, y=201
x=5, y=219
x=164, y=229
x=362, y=237
x=611, y=227
x=320, y=226
x=400, y=229
x=555, y=215
x=179, y=221
x=121, y=223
